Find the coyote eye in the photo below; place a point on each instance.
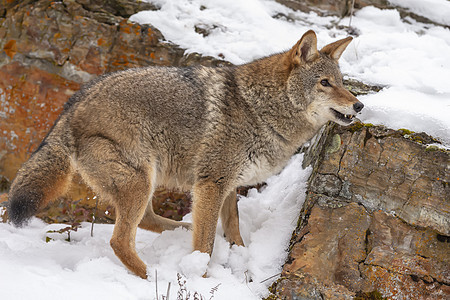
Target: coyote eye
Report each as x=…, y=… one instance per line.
x=325, y=82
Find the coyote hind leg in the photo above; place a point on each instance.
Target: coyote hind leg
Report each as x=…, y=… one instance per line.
x=230, y=220
x=124, y=235
x=156, y=223
x=128, y=186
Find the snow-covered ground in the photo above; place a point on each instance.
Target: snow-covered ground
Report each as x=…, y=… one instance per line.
x=410, y=60
x=86, y=268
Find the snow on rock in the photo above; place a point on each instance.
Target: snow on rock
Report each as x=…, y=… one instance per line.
x=400, y=107
x=435, y=10
x=240, y=30
x=412, y=61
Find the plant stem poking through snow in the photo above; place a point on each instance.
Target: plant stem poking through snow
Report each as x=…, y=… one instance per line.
x=268, y=278
x=213, y=290
x=93, y=216
x=168, y=291
x=351, y=14
x=184, y=294
x=67, y=229
x=156, y=283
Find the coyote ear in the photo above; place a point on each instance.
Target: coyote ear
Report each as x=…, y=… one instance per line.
x=305, y=50
x=335, y=50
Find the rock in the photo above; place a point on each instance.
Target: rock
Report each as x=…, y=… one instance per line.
x=340, y=8
x=345, y=252
x=343, y=8
x=381, y=169
x=30, y=101
x=404, y=261
x=360, y=88
x=4, y=184
x=331, y=246
x=375, y=221
x=123, y=8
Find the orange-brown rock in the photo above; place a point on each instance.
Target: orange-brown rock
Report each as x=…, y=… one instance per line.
x=389, y=170
x=345, y=251
x=331, y=247
x=406, y=260
x=30, y=100
x=376, y=219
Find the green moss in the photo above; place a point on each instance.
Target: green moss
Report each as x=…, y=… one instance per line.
x=416, y=139
x=271, y=297
x=374, y=295
x=404, y=131
x=273, y=289
x=420, y=138
x=356, y=127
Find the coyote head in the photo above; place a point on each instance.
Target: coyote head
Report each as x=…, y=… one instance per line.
x=315, y=82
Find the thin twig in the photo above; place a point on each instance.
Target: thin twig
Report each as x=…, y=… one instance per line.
x=270, y=277
x=351, y=13
x=168, y=291
x=93, y=216
x=214, y=290
x=156, y=279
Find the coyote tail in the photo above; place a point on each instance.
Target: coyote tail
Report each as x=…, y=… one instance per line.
x=43, y=178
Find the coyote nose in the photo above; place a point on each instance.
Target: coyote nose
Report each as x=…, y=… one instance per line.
x=358, y=106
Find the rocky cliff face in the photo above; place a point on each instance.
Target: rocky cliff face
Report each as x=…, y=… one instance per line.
x=375, y=221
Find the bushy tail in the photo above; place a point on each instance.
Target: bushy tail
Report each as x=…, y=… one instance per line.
x=43, y=178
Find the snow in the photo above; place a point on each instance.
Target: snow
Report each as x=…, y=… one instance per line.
x=87, y=268
x=410, y=60
x=435, y=10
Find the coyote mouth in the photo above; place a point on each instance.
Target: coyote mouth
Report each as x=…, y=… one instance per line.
x=342, y=117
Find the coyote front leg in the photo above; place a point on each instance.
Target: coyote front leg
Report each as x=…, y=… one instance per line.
x=207, y=201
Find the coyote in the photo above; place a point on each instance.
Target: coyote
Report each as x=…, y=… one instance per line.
x=203, y=129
